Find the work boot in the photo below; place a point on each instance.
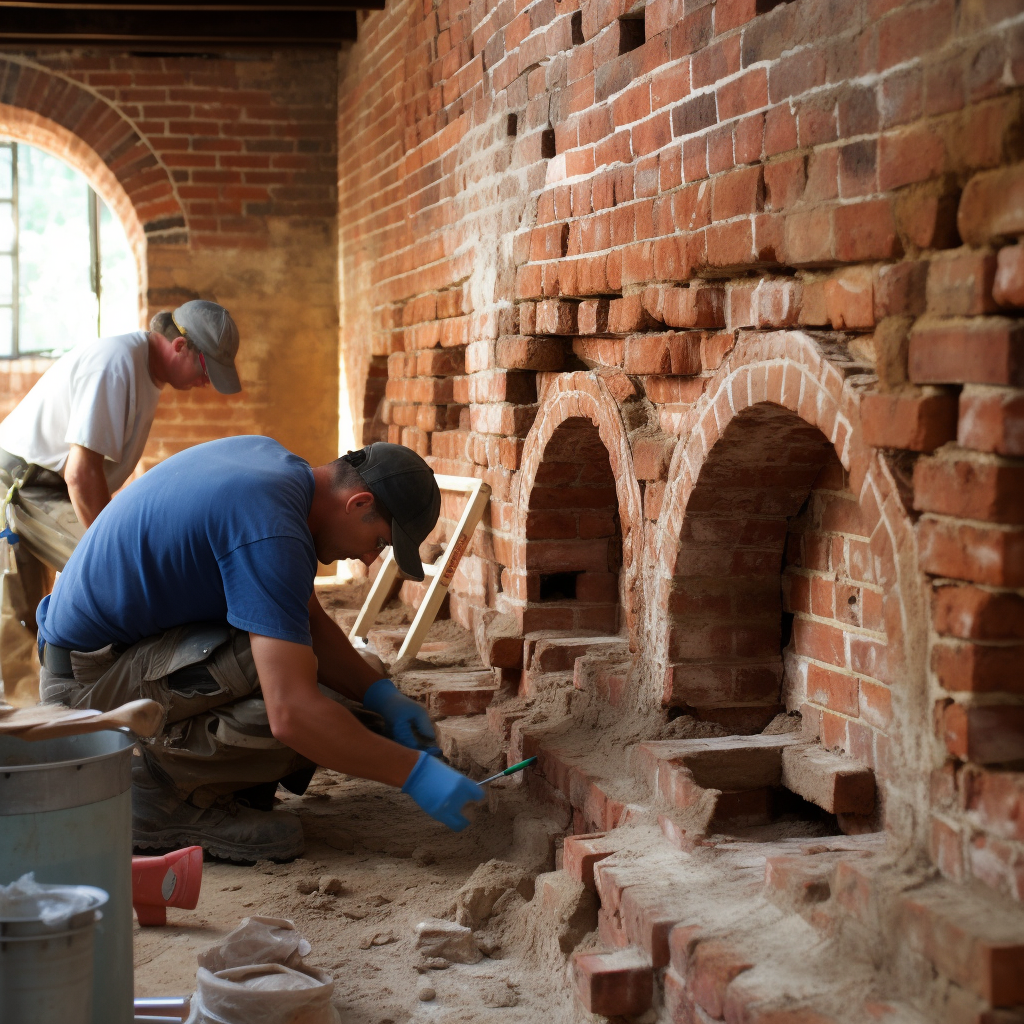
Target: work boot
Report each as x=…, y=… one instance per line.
x=161, y=820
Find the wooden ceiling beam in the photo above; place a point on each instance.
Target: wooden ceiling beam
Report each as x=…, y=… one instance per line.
x=254, y=27
x=199, y=5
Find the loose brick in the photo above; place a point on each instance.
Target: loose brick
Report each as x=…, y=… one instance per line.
x=971, y=613
x=849, y=299
x=960, y=284
x=556, y=316
x=517, y=353
x=991, y=555
x=992, y=420
x=959, y=483
x=978, y=668
x=1008, y=287
x=613, y=984
x=982, y=351
x=918, y=423
x=992, y=206
x=676, y=354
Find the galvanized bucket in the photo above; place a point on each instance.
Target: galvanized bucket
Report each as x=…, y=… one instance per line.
x=66, y=815
x=46, y=968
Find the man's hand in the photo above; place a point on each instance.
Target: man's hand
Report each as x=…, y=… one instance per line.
x=87, y=483
x=322, y=730
x=442, y=792
x=406, y=720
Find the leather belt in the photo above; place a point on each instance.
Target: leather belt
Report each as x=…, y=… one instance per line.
x=57, y=660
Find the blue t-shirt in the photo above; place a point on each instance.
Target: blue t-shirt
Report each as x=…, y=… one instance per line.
x=217, y=532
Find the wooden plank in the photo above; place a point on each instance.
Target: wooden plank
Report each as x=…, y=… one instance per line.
x=202, y=5
x=257, y=27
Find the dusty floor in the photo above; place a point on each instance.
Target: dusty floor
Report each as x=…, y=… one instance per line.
x=395, y=866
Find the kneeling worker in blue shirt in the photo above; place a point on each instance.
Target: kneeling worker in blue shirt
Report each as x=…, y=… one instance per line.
x=194, y=587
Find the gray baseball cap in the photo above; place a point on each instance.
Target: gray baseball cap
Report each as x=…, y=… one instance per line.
x=210, y=328
x=404, y=484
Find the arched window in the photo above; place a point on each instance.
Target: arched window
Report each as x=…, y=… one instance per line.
x=66, y=269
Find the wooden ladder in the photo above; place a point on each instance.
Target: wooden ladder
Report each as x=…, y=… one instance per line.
x=440, y=573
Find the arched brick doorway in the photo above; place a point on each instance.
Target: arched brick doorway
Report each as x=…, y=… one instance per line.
x=780, y=585
x=579, y=521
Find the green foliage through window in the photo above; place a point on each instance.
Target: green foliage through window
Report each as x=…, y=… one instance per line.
x=67, y=272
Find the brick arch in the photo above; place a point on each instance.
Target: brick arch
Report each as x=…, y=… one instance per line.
x=774, y=417
x=35, y=130
x=569, y=401
x=46, y=105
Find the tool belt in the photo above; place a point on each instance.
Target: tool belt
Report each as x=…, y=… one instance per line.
x=56, y=659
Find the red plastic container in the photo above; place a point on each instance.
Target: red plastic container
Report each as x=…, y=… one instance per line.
x=169, y=881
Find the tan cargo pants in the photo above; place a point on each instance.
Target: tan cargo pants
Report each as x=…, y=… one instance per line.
x=216, y=738
x=42, y=516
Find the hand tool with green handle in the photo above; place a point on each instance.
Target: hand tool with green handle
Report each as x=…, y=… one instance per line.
x=511, y=770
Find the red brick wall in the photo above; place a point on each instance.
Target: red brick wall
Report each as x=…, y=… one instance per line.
x=224, y=172
x=793, y=207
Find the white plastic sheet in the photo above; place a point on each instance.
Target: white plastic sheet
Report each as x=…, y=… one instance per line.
x=27, y=900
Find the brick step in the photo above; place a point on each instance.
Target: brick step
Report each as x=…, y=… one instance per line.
x=470, y=746
x=728, y=780
x=603, y=676
x=449, y=692
x=970, y=936
x=549, y=657
x=703, y=918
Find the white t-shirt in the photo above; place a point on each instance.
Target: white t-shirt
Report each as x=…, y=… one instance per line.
x=99, y=395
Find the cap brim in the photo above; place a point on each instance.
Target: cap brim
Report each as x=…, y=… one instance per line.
x=407, y=553
x=223, y=378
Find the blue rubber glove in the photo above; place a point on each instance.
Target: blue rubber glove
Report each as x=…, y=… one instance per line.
x=441, y=791
x=406, y=720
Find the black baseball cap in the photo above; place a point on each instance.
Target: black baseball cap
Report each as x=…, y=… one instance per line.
x=404, y=484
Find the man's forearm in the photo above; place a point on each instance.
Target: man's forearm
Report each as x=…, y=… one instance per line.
x=87, y=484
x=341, y=667
x=314, y=725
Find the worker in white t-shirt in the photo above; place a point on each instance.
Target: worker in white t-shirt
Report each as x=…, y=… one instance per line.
x=78, y=435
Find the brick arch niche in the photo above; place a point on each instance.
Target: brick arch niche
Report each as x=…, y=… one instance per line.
x=779, y=583
x=579, y=515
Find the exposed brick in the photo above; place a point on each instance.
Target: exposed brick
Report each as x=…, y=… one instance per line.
x=971, y=613
x=663, y=354
x=958, y=483
x=992, y=206
x=960, y=284
x=919, y=423
x=613, y=984
x=980, y=351
x=992, y=420
x=849, y=299
x=1008, y=287
x=530, y=353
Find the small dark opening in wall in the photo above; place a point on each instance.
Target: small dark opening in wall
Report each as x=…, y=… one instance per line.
x=513, y=125
x=790, y=806
x=786, y=630
x=547, y=143
x=558, y=586
x=632, y=32
x=576, y=24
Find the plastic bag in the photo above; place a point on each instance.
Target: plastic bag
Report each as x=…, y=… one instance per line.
x=256, y=976
x=257, y=940
x=26, y=899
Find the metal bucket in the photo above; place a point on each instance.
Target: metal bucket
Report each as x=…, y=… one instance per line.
x=46, y=970
x=66, y=814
